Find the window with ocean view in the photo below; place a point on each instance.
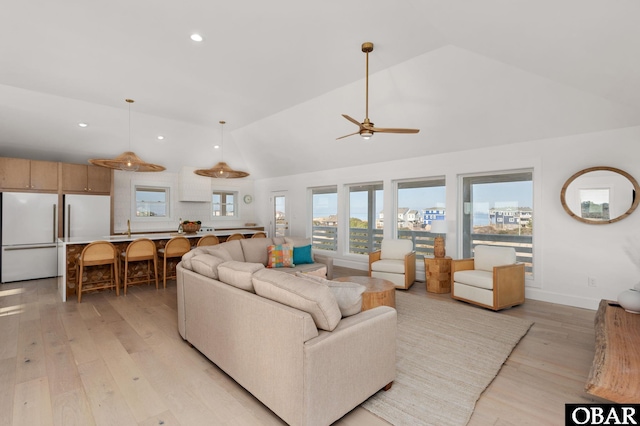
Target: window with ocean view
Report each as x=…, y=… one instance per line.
x=419, y=203
x=498, y=210
x=324, y=207
x=366, y=220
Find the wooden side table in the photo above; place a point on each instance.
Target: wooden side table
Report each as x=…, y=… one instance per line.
x=379, y=292
x=438, y=273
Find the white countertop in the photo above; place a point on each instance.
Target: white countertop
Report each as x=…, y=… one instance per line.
x=165, y=236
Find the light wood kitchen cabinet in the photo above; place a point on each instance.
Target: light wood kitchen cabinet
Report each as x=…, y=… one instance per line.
x=28, y=175
x=84, y=178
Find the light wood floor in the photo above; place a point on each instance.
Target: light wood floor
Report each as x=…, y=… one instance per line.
x=120, y=361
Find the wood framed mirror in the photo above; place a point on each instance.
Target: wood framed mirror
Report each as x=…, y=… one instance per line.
x=600, y=195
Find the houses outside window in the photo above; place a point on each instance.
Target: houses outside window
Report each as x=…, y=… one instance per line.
x=419, y=203
x=224, y=204
x=324, y=228
x=151, y=202
x=498, y=210
x=366, y=221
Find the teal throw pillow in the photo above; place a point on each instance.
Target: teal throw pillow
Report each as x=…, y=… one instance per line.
x=302, y=255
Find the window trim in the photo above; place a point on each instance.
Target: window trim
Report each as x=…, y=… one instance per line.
x=223, y=193
x=508, y=175
x=437, y=181
x=150, y=188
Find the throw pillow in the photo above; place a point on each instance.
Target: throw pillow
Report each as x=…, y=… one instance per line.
x=302, y=255
x=280, y=256
x=347, y=294
x=296, y=292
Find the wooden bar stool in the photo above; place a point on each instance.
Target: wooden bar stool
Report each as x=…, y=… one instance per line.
x=137, y=251
x=208, y=240
x=95, y=254
x=259, y=235
x=175, y=247
x=235, y=237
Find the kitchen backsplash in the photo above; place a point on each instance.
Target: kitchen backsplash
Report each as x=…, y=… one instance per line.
x=124, y=193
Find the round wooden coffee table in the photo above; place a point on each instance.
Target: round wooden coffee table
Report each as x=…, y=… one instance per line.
x=379, y=292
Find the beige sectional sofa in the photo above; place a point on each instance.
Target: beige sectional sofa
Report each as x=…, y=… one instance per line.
x=282, y=336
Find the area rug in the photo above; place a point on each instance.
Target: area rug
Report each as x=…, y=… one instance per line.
x=448, y=353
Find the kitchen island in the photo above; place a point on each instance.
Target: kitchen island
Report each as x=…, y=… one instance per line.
x=69, y=250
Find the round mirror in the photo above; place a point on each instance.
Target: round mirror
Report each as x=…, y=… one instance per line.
x=600, y=195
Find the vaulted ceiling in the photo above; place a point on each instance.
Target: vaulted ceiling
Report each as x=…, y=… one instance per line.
x=467, y=73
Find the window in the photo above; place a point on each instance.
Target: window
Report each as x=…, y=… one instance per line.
x=498, y=210
x=224, y=204
x=324, y=208
x=366, y=219
x=418, y=204
x=152, y=201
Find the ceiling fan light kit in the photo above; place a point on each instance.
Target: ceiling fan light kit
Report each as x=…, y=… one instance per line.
x=128, y=161
x=221, y=170
x=366, y=128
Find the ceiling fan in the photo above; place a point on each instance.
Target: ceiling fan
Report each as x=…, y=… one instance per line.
x=366, y=128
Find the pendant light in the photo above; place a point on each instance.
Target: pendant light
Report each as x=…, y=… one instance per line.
x=222, y=169
x=127, y=161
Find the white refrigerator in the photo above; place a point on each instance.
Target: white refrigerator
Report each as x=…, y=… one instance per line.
x=87, y=216
x=29, y=236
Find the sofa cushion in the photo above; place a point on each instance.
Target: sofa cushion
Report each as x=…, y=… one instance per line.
x=486, y=257
x=234, y=249
x=475, y=278
x=302, y=255
x=217, y=251
x=347, y=294
x=297, y=241
x=206, y=264
x=316, y=300
x=280, y=256
x=388, y=265
x=238, y=274
x=255, y=249
x=395, y=249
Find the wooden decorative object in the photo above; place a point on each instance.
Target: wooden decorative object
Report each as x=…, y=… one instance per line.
x=438, y=274
x=438, y=247
x=615, y=373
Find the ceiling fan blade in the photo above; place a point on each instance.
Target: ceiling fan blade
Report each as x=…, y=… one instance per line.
x=350, y=134
x=391, y=130
x=354, y=121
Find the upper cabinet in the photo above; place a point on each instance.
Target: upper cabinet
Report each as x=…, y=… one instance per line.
x=28, y=175
x=85, y=178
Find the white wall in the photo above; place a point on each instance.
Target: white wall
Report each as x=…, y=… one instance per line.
x=124, y=183
x=566, y=251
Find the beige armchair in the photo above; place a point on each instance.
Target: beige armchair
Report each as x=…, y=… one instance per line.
x=492, y=279
x=395, y=262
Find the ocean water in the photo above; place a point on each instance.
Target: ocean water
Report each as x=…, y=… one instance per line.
x=480, y=219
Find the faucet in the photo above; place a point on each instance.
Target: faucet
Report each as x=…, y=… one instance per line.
x=128, y=227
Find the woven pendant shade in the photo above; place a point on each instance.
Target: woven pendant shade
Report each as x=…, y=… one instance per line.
x=221, y=170
x=127, y=161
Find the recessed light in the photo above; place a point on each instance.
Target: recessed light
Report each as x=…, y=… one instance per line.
x=196, y=37
x=216, y=147
x=82, y=124
x=160, y=137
